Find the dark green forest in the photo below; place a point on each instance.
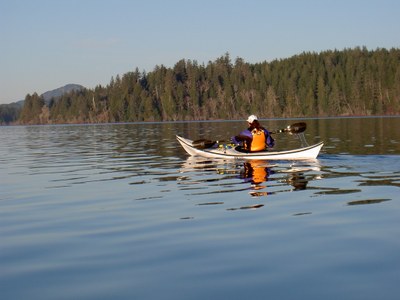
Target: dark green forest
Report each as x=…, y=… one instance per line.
x=348, y=82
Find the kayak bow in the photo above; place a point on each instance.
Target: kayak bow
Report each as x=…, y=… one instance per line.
x=310, y=152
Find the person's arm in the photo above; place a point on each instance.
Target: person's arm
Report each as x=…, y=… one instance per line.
x=268, y=139
x=245, y=136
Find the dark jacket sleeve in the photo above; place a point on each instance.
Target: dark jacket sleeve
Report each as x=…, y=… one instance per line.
x=268, y=139
x=245, y=136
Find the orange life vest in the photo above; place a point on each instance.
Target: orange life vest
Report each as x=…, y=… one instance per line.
x=258, y=143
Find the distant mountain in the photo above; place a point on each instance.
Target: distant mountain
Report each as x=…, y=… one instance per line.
x=53, y=93
x=19, y=103
x=9, y=113
x=61, y=91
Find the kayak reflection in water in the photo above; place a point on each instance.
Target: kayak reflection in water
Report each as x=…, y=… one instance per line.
x=256, y=172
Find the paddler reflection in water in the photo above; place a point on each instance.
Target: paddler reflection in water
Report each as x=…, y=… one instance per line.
x=255, y=138
x=256, y=172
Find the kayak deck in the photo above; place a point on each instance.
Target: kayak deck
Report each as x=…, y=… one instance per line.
x=304, y=153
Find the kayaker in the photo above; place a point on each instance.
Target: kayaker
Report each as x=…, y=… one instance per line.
x=255, y=138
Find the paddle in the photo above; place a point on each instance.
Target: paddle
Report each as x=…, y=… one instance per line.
x=292, y=129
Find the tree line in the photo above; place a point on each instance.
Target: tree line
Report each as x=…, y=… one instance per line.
x=348, y=82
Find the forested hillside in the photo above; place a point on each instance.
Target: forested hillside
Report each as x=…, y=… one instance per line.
x=331, y=83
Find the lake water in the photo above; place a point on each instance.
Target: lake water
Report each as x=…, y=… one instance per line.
x=121, y=212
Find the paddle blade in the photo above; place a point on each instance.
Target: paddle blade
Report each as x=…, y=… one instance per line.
x=203, y=144
x=293, y=129
x=296, y=128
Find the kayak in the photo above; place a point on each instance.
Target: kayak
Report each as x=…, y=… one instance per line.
x=304, y=153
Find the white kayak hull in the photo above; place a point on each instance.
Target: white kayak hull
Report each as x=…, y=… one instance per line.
x=310, y=152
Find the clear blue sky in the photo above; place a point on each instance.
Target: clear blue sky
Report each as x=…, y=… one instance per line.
x=45, y=44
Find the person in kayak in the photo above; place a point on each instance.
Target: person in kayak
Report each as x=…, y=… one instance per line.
x=255, y=138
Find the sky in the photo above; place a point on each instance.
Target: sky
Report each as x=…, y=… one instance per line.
x=46, y=44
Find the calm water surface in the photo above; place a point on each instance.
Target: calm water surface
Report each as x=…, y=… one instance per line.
x=121, y=212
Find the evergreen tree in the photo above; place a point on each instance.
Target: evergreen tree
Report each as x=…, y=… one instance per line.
x=30, y=113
